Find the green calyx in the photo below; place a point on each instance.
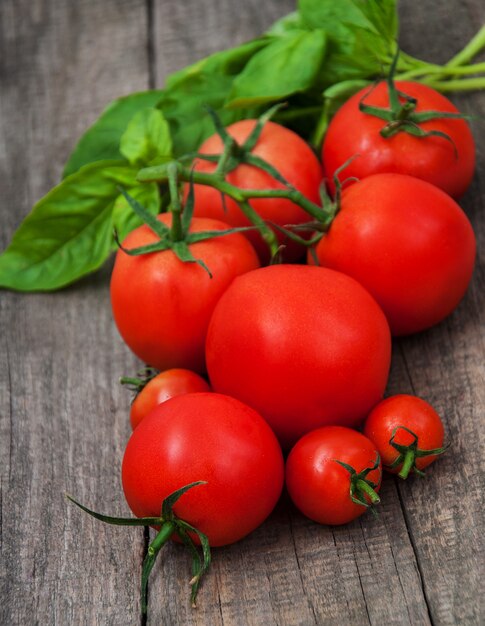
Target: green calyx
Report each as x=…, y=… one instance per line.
x=177, y=238
x=410, y=453
x=141, y=380
x=232, y=155
x=362, y=490
x=169, y=524
x=401, y=115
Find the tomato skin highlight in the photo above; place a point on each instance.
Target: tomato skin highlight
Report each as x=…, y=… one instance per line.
x=162, y=387
x=294, y=160
x=208, y=437
x=162, y=306
x=408, y=243
x=320, y=487
x=446, y=164
x=292, y=340
x=411, y=412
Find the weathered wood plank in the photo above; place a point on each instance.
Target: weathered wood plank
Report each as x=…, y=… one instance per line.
x=446, y=366
x=62, y=414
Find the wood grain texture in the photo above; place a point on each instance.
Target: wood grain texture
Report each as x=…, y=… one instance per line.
x=63, y=417
x=62, y=413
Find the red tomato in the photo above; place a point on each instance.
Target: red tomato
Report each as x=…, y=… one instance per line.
x=162, y=306
x=305, y=346
x=352, y=133
x=285, y=151
x=161, y=388
x=320, y=486
x=408, y=243
x=205, y=437
x=393, y=418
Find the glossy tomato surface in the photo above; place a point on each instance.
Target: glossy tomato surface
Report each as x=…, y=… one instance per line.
x=162, y=387
x=162, y=306
x=398, y=413
x=318, y=485
x=405, y=241
x=448, y=164
x=205, y=437
x=305, y=346
x=284, y=150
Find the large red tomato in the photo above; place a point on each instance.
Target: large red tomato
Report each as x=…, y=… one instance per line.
x=353, y=133
x=284, y=150
x=305, y=346
x=408, y=243
x=321, y=487
x=162, y=305
x=205, y=437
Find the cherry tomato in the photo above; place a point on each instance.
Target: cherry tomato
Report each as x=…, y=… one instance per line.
x=333, y=474
x=162, y=306
x=407, y=432
x=305, y=346
x=161, y=388
x=448, y=164
x=205, y=437
x=285, y=151
x=408, y=243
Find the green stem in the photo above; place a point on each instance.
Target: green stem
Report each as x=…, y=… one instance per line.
x=464, y=84
x=408, y=463
x=176, y=230
x=161, y=538
x=473, y=47
x=475, y=68
x=364, y=486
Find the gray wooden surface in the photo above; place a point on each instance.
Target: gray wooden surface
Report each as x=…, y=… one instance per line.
x=63, y=416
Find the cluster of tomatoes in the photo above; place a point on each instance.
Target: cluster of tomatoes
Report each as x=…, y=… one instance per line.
x=297, y=355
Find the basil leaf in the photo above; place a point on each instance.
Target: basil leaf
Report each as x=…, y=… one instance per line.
x=377, y=16
x=288, y=65
x=102, y=139
x=69, y=232
x=207, y=82
x=147, y=140
x=287, y=24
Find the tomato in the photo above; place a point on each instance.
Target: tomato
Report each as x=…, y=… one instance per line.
x=408, y=243
x=304, y=346
x=285, y=151
x=407, y=432
x=161, y=388
x=321, y=487
x=162, y=306
x=448, y=164
x=205, y=437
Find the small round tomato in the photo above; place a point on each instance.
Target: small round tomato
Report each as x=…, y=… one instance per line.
x=305, y=346
x=446, y=163
x=292, y=158
x=405, y=241
x=333, y=474
x=407, y=432
x=162, y=306
x=205, y=437
x=161, y=388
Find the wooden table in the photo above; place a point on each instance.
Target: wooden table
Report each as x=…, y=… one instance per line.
x=64, y=418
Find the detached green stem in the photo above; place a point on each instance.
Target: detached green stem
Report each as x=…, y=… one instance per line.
x=464, y=84
x=473, y=47
x=475, y=68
